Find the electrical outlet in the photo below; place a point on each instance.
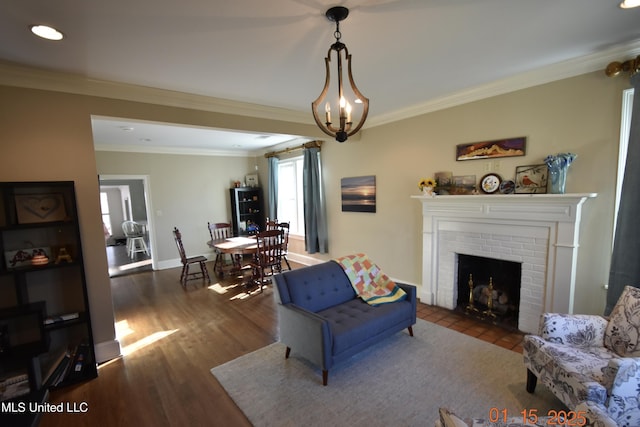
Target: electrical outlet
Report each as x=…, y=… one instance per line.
x=487, y=167
x=496, y=166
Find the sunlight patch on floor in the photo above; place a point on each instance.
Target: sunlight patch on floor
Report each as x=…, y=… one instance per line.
x=148, y=340
x=119, y=269
x=123, y=329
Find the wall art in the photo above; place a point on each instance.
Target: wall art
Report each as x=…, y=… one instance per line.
x=511, y=147
x=358, y=194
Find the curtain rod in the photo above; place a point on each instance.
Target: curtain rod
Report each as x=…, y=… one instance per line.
x=310, y=144
x=630, y=65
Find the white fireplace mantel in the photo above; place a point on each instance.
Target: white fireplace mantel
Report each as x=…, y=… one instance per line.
x=541, y=231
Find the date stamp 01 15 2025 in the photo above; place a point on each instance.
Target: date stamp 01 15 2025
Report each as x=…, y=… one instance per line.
x=551, y=418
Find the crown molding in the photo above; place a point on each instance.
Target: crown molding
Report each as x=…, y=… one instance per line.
x=558, y=71
x=174, y=150
x=13, y=74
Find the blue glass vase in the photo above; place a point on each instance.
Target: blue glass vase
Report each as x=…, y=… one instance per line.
x=558, y=177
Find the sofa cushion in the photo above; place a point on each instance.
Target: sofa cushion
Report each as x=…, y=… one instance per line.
x=623, y=330
x=316, y=287
x=355, y=321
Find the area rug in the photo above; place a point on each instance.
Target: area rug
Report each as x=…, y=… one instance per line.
x=401, y=381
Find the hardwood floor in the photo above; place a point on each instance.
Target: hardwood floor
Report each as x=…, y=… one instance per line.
x=170, y=340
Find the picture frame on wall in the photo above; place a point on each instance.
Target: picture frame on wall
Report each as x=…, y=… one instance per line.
x=510, y=147
x=358, y=194
x=531, y=179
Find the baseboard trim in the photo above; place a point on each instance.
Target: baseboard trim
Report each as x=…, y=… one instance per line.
x=107, y=350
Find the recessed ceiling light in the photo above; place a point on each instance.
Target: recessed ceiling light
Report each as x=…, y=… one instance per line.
x=126, y=128
x=46, y=32
x=628, y=4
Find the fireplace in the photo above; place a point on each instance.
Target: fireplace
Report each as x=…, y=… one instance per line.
x=540, y=232
x=489, y=289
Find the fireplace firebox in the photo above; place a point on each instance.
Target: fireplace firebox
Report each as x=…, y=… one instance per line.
x=489, y=289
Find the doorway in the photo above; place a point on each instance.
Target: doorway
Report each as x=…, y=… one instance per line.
x=126, y=198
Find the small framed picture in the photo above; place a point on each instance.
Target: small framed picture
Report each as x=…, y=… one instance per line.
x=531, y=179
x=463, y=184
x=252, y=180
x=34, y=208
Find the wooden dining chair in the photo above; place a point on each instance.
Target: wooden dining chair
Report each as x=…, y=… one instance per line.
x=271, y=224
x=220, y=231
x=268, y=258
x=284, y=226
x=188, y=261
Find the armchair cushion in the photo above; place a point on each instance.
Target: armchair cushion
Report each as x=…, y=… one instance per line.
x=578, y=330
x=623, y=331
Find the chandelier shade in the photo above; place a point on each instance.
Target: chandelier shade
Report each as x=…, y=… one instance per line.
x=350, y=102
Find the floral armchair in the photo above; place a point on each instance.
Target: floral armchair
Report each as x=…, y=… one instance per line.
x=590, y=363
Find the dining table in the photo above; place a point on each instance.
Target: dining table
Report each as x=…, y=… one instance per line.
x=237, y=247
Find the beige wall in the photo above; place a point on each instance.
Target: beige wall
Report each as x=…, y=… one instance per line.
x=184, y=192
x=47, y=136
x=580, y=115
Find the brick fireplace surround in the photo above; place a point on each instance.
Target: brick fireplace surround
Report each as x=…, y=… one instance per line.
x=541, y=231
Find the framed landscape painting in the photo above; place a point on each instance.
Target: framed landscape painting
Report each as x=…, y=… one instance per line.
x=358, y=194
x=511, y=147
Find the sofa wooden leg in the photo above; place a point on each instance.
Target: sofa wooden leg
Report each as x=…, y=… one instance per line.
x=325, y=376
x=410, y=330
x=287, y=352
x=532, y=380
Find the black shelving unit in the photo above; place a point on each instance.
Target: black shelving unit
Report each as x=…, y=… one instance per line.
x=45, y=326
x=247, y=210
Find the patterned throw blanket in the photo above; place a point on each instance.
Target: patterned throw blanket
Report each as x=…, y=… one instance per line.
x=369, y=282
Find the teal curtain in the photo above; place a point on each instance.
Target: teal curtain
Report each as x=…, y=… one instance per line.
x=625, y=268
x=272, y=198
x=315, y=217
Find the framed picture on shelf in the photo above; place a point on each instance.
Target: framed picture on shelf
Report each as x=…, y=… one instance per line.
x=252, y=180
x=531, y=179
x=463, y=184
x=34, y=208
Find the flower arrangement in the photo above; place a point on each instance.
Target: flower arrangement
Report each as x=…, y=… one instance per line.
x=426, y=182
x=560, y=160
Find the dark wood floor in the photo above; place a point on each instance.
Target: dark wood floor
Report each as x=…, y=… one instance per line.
x=171, y=338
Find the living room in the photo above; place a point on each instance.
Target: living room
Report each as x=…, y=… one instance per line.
x=47, y=135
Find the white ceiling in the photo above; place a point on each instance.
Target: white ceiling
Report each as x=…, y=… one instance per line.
x=406, y=53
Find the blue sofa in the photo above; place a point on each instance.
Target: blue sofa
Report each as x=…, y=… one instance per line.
x=322, y=319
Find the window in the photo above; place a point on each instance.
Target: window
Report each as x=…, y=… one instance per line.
x=104, y=207
x=625, y=126
x=290, y=194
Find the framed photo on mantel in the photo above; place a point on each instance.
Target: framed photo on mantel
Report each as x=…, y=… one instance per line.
x=531, y=179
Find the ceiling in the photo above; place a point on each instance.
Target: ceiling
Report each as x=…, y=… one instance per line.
x=406, y=53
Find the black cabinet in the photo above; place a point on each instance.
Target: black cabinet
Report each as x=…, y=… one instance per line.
x=247, y=210
x=46, y=339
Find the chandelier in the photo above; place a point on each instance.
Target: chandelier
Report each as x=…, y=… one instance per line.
x=348, y=104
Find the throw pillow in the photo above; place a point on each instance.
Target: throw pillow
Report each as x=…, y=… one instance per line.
x=623, y=330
